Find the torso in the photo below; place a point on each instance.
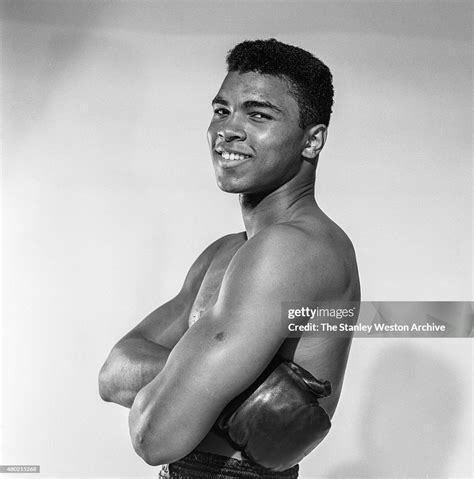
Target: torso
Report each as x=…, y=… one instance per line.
x=301, y=350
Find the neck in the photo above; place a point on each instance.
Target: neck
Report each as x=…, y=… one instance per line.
x=283, y=204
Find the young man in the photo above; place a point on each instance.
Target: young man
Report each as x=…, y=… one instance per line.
x=180, y=367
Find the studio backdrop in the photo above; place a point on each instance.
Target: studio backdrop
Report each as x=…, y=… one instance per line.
x=109, y=195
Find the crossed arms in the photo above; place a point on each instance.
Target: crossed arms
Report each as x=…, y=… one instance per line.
x=178, y=380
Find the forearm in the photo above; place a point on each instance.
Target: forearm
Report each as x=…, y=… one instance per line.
x=132, y=364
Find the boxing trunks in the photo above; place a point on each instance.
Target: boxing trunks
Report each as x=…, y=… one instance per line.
x=206, y=465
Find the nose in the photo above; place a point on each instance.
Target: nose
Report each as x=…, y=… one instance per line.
x=231, y=130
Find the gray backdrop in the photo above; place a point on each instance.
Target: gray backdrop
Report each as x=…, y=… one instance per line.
x=109, y=195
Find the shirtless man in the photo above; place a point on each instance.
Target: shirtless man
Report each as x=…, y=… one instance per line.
x=188, y=359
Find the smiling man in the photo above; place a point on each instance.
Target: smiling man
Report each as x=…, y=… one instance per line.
x=217, y=340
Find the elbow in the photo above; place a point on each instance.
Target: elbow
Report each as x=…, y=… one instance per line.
x=149, y=455
x=157, y=436
x=154, y=450
x=110, y=389
x=145, y=441
x=146, y=450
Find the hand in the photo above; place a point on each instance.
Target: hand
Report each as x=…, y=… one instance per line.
x=278, y=420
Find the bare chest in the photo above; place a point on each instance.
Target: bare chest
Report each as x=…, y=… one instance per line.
x=211, y=284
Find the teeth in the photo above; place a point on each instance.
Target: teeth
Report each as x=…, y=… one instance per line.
x=232, y=156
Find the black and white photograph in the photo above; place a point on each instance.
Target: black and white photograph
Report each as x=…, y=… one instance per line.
x=236, y=239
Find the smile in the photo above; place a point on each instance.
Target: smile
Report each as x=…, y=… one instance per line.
x=232, y=156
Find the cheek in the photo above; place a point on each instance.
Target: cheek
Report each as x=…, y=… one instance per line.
x=279, y=147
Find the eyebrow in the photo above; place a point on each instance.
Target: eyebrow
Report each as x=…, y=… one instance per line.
x=250, y=104
x=219, y=99
x=261, y=104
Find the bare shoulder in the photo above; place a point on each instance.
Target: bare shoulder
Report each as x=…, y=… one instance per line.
x=318, y=254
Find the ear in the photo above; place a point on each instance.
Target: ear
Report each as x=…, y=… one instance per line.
x=316, y=137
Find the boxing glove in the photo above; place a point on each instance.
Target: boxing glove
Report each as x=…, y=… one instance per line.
x=277, y=421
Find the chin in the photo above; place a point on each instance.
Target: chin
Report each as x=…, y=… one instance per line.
x=229, y=184
x=229, y=187
x=239, y=187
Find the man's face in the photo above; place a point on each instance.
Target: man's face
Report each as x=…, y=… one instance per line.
x=254, y=135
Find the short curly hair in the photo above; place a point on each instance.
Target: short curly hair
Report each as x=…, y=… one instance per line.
x=309, y=79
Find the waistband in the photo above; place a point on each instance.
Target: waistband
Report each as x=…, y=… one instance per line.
x=206, y=465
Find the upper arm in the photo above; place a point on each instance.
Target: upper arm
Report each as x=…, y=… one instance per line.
x=228, y=348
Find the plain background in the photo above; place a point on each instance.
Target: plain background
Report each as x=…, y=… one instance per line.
x=109, y=195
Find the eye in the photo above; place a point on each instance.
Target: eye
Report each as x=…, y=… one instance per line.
x=258, y=115
x=220, y=111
